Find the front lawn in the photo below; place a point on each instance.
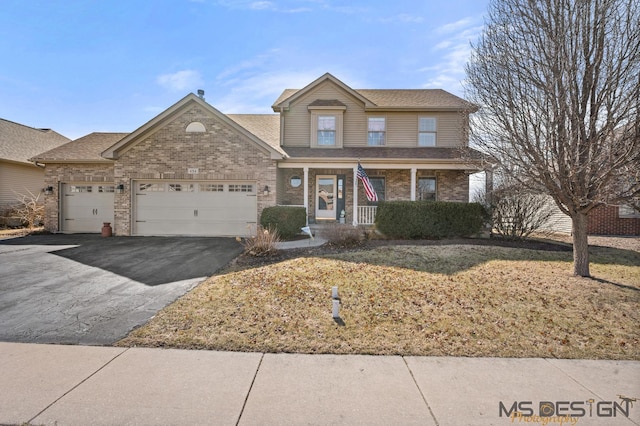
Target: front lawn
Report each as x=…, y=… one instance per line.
x=456, y=300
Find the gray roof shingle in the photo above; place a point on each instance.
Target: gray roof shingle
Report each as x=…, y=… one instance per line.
x=19, y=142
x=86, y=148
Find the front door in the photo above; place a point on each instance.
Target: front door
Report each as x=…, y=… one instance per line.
x=326, y=197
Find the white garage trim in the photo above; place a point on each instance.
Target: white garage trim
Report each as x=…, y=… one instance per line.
x=85, y=206
x=207, y=208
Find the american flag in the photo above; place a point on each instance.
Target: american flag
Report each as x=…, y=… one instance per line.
x=371, y=193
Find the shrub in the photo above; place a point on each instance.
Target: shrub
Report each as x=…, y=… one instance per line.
x=429, y=219
x=262, y=244
x=284, y=219
x=343, y=236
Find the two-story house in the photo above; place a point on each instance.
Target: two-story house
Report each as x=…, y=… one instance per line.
x=193, y=170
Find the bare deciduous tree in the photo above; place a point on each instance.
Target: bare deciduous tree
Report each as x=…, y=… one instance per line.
x=558, y=85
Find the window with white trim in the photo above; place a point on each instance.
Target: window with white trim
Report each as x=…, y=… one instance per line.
x=211, y=187
x=80, y=188
x=181, y=187
x=626, y=211
x=376, y=131
x=106, y=188
x=427, y=131
x=151, y=187
x=241, y=188
x=326, y=130
x=379, y=186
x=426, y=189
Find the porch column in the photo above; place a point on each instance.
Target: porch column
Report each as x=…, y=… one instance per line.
x=355, y=196
x=413, y=183
x=305, y=192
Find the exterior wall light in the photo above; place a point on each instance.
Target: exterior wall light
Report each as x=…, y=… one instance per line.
x=120, y=188
x=48, y=190
x=266, y=190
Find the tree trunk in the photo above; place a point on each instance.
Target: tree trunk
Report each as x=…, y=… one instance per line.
x=580, y=245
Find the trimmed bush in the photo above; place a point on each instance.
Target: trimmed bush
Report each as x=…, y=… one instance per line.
x=429, y=219
x=284, y=219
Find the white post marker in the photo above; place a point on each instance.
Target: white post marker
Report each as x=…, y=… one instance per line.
x=334, y=292
x=336, y=308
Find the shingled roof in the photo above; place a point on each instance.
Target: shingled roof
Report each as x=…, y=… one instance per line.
x=392, y=99
x=18, y=142
x=86, y=148
x=264, y=126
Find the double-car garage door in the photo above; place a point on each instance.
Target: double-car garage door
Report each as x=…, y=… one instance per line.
x=194, y=208
x=222, y=208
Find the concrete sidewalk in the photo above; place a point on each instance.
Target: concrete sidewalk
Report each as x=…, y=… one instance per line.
x=79, y=385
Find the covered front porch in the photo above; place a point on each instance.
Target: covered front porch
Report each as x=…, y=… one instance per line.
x=332, y=192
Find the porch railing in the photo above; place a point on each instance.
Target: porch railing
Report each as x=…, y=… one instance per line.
x=367, y=215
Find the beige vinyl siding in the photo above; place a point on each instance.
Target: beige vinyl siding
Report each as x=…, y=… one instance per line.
x=297, y=122
x=19, y=178
x=401, y=127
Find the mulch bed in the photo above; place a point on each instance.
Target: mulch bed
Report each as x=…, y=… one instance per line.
x=249, y=261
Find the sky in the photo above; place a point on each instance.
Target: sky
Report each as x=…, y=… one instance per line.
x=82, y=66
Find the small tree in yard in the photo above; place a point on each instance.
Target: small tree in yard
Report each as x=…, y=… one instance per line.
x=558, y=85
x=516, y=212
x=29, y=209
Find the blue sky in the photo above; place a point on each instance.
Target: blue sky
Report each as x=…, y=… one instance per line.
x=80, y=66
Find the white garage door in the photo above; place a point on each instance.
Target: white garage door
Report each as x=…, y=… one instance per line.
x=85, y=207
x=195, y=208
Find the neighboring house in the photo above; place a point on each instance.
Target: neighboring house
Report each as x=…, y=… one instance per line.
x=613, y=220
x=193, y=170
x=18, y=175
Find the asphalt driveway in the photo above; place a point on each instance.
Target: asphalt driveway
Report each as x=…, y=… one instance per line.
x=86, y=289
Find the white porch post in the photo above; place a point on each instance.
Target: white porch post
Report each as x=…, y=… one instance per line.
x=306, y=192
x=413, y=184
x=355, y=196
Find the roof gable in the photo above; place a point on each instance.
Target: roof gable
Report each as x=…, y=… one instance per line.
x=18, y=143
x=156, y=123
x=291, y=95
x=384, y=99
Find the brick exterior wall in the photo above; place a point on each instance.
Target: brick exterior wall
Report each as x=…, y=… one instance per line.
x=605, y=220
x=451, y=185
x=221, y=153
x=54, y=174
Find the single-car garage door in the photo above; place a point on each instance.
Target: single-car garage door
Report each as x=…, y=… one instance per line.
x=86, y=206
x=195, y=208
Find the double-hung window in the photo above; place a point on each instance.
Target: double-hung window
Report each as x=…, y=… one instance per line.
x=377, y=129
x=378, y=184
x=427, y=189
x=426, y=131
x=326, y=130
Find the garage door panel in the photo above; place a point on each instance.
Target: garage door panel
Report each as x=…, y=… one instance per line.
x=85, y=207
x=200, y=208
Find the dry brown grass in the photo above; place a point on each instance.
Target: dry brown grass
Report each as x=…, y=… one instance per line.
x=416, y=300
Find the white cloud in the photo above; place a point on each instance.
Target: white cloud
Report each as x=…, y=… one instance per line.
x=181, y=80
x=261, y=5
x=403, y=18
x=453, y=44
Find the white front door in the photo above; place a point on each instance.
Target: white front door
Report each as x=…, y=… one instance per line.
x=326, y=197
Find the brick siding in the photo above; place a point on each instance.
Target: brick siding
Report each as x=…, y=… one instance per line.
x=69, y=173
x=605, y=220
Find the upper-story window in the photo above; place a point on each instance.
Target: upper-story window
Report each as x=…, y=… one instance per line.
x=326, y=130
x=377, y=130
x=327, y=116
x=426, y=131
